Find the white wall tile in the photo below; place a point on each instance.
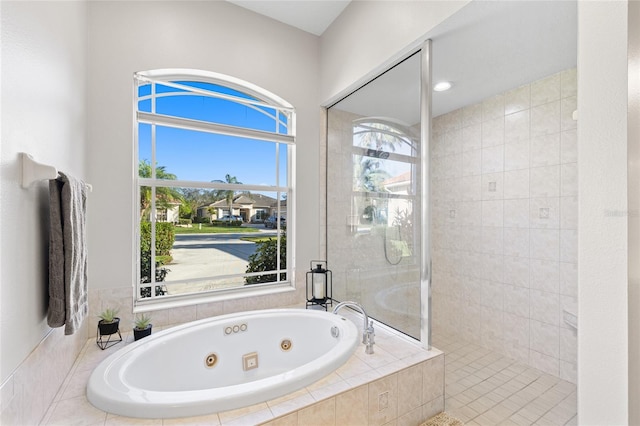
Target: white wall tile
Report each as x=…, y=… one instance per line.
x=545, y=338
x=567, y=107
x=568, y=212
x=545, y=275
x=569, y=245
x=516, y=184
x=516, y=303
x=517, y=99
x=545, y=244
x=492, y=267
x=452, y=120
x=569, y=371
x=493, y=159
x=569, y=304
x=516, y=352
x=545, y=181
x=516, y=272
x=516, y=242
x=508, y=257
x=545, y=307
x=471, y=115
x=493, y=295
x=569, y=146
x=517, y=126
x=569, y=83
x=492, y=240
x=568, y=345
x=453, y=142
x=569, y=179
x=516, y=213
x=516, y=329
x=493, y=132
x=569, y=279
x=546, y=363
x=493, y=213
x=492, y=327
x=545, y=212
x=471, y=188
x=493, y=186
x=493, y=108
x=472, y=137
x=545, y=119
x=545, y=150
x=546, y=90
x=472, y=162
x=516, y=155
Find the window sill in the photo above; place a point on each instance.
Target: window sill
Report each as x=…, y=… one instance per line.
x=200, y=298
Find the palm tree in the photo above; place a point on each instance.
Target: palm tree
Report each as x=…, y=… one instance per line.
x=227, y=194
x=369, y=176
x=164, y=196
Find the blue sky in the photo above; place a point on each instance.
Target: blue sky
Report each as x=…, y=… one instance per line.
x=204, y=156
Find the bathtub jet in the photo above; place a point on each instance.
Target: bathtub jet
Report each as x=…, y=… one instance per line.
x=200, y=368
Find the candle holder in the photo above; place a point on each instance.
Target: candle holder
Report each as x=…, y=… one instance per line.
x=319, y=285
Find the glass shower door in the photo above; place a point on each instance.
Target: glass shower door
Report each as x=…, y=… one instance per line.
x=374, y=197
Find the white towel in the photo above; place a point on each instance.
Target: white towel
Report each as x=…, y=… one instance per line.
x=68, y=302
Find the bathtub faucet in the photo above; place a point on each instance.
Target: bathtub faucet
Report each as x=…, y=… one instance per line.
x=368, y=334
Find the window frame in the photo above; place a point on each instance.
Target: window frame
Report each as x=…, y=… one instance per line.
x=262, y=98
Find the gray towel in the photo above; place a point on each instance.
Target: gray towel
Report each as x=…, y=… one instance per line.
x=68, y=302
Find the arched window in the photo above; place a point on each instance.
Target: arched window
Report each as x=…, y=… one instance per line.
x=214, y=157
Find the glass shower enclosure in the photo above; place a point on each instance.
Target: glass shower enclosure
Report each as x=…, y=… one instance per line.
x=376, y=210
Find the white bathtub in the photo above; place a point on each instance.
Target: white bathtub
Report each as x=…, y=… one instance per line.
x=205, y=366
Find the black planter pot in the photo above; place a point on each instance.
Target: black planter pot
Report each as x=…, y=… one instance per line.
x=108, y=329
x=140, y=333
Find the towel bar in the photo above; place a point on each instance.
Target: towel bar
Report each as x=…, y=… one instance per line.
x=33, y=171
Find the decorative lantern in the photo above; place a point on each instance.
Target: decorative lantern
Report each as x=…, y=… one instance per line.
x=319, y=285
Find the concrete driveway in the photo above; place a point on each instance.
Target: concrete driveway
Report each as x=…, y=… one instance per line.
x=210, y=255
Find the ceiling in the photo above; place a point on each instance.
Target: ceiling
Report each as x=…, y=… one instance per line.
x=312, y=16
x=486, y=48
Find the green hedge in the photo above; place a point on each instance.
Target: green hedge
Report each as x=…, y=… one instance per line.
x=165, y=237
x=227, y=223
x=264, y=259
x=185, y=222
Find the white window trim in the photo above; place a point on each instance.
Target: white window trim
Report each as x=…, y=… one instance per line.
x=165, y=77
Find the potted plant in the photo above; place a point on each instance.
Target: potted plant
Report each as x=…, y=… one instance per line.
x=108, y=325
x=142, y=326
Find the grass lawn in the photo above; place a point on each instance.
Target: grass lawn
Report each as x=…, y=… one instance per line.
x=209, y=229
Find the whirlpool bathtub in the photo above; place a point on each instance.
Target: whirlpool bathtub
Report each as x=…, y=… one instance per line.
x=222, y=363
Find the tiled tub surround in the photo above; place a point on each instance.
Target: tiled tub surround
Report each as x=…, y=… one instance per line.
x=504, y=224
x=400, y=382
x=26, y=395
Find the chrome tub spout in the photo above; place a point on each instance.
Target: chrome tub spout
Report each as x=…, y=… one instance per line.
x=368, y=333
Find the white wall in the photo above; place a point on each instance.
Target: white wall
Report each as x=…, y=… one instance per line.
x=602, y=255
x=43, y=105
x=371, y=34
x=125, y=37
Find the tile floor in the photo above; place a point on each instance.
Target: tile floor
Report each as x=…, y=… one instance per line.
x=486, y=388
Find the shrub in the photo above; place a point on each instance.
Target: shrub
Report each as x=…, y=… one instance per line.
x=264, y=259
x=165, y=237
x=227, y=223
x=185, y=222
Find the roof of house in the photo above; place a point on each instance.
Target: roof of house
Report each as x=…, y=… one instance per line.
x=258, y=200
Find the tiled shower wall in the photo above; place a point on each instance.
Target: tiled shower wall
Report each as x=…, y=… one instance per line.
x=504, y=223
